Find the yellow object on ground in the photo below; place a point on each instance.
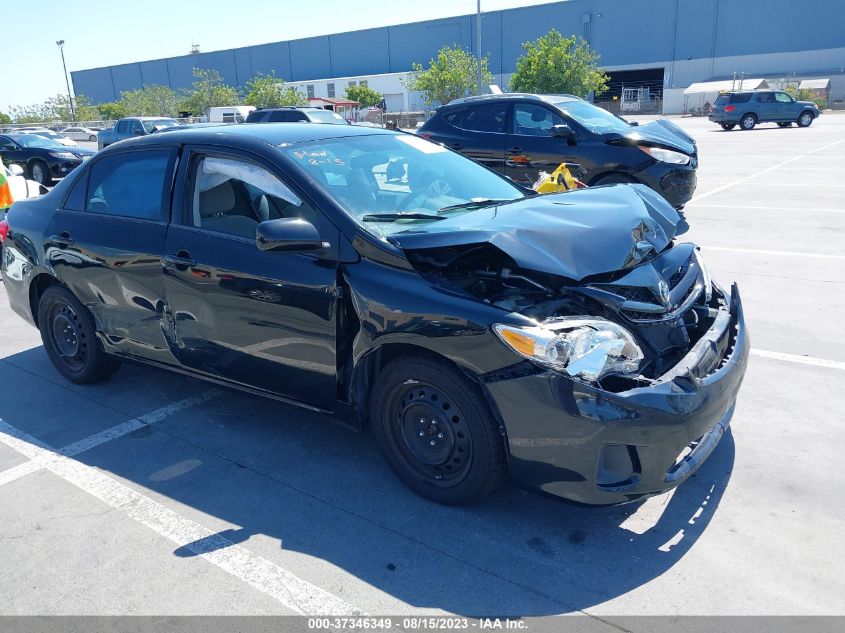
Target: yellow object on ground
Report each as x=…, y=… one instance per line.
x=561, y=179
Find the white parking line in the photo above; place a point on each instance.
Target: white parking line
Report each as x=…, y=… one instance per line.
x=739, y=181
x=802, y=360
x=293, y=592
x=757, y=251
x=734, y=207
x=26, y=444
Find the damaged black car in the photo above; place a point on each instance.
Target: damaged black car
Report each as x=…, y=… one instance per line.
x=478, y=330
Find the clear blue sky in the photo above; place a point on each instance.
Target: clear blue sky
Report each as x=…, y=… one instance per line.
x=106, y=33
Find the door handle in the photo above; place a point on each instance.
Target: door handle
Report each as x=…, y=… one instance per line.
x=63, y=239
x=182, y=260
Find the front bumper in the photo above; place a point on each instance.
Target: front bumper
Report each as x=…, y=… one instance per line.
x=62, y=167
x=598, y=447
x=676, y=183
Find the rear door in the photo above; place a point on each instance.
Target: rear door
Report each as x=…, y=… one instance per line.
x=263, y=319
x=530, y=147
x=767, y=109
x=105, y=244
x=477, y=131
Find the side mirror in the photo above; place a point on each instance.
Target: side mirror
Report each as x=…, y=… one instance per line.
x=633, y=123
x=288, y=234
x=562, y=131
x=16, y=170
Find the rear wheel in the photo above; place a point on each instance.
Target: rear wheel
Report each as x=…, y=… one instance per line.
x=728, y=126
x=436, y=431
x=748, y=122
x=92, y=138
x=67, y=331
x=785, y=124
x=805, y=120
x=40, y=172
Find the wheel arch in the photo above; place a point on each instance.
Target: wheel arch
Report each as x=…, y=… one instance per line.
x=613, y=173
x=37, y=286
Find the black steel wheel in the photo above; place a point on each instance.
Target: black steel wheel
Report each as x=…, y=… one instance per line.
x=436, y=431
x=67, y=331
x=727, y=126
x=748, y=122
x=40, y=172
x=806, y=119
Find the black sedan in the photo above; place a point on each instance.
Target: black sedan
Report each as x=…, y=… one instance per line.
x=385, y=280
x=42, y=159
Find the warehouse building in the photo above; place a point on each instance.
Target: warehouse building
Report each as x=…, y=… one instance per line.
x=652, y=49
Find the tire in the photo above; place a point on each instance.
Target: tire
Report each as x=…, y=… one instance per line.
x=805, y=119
x=784, y=123
x=92, y=138
x=748, y=122
x=436, y=431
x=40, y=173
x=613, y=179
x=728, y=126
x=67, y=331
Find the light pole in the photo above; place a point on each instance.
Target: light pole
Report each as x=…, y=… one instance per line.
x=478, y=46
x=61, y=45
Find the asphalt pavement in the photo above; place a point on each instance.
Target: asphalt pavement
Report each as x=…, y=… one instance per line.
x=157, y=494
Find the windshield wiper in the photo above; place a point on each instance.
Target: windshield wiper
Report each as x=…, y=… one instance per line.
x=474, y=204
x=393, y=217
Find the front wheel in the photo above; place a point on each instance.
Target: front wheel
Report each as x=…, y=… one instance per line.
x=92, y=138
x=728, y=126
x=748, y=122
x=40, y=172
x=805, y=120
x=67, y=331
x=436, y=431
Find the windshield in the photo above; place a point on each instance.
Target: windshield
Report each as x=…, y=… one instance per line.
x=595, y=119
x=326, y=116
x=392, y=182
x=149, y=126
x=32, y=140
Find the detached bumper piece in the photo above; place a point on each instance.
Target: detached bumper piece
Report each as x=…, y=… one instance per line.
x=599, y=447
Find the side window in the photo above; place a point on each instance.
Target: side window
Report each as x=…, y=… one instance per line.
x=741, y=97
x=129, y=184
x=765, y=97
x=75, y=200
x=122, y=127
x=455, y=118
x=7, y=144
x=489, y=117
x=135, y=126
x=534, y=120
x=232, y=196
x=782, y=97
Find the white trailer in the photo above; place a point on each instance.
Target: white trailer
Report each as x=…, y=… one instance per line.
x=229, y=114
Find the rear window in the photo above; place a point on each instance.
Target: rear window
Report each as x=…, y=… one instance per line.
x=255, y=116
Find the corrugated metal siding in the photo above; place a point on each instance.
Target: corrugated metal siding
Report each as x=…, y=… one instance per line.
x=622, y=31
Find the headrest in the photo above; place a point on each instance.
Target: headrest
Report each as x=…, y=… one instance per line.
x=538, y=115
x=217, y=199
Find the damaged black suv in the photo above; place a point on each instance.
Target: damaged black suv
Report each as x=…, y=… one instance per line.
x=476, y=327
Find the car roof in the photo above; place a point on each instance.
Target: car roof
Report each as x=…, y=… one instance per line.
x=514, y=96
x=270, y=133
x=288, y=108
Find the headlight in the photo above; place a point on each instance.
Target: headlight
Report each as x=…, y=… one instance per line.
x=705, y=276
x=64, y=155
x=583, y=347
x=666, y=155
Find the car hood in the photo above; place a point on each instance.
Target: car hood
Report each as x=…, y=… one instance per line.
x=660, y=132
x=80, y=151
x=574, y=234
x=808, y=104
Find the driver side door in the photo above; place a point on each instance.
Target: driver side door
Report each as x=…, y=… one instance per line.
x=263, y=319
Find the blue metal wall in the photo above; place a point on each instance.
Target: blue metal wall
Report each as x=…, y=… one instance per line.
x=622, y=31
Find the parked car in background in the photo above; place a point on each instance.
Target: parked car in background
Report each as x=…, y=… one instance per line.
x=294, y=114
x=520, y=135
x=80, y=133
x=476, y=326
x=229, y=114
x=747, y=108
x=47, y=133
x=133, y=126
x=42, y=159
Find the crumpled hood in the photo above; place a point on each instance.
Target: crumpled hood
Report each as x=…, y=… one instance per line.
x=662, y=132
x=574, y=234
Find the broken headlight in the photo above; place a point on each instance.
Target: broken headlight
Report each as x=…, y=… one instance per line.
x=583, y=347
x=666, y=155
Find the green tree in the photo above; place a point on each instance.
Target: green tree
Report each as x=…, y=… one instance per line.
x=5, y=118
x=804, y=94
x=33, y=113
x=152, y=100
x=553, y=64
x=112, y=110
x=364, y=95
x=208, y=91
x=453, y=74
x=269, y=91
